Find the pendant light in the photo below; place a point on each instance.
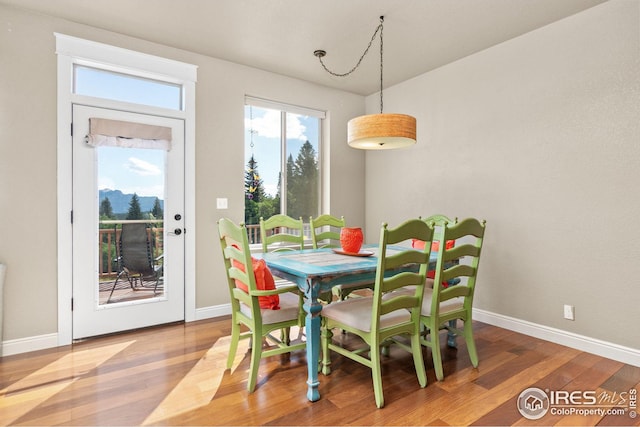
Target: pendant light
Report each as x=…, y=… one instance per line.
x=382, y=131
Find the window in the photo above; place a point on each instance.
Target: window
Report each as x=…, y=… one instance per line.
x=101, y=83
x=282, y=165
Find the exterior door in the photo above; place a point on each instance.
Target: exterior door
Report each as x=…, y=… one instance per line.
x=117, y=189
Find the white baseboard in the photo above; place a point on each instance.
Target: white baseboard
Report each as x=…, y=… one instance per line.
x=606, y=349
x=24, y=345
x=42, y=342
x=213, y=311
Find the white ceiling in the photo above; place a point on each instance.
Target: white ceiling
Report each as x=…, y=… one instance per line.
x=281, y=35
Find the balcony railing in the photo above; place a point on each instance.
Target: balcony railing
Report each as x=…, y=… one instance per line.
x=253, y=233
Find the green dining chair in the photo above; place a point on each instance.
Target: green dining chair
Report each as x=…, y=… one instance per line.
x=325, y=231
x=281, y=232
x=251, y=290
x=377, y=320
x=443, y=307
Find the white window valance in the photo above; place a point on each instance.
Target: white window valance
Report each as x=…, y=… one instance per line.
x=289, y=108
x=117, y=133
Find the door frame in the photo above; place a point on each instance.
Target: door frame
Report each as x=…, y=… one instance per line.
x=71, y=51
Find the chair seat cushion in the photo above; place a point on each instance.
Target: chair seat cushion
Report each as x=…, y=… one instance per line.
x=264, y=282
x=357, y=313
x=289, y=309
x=445, y=306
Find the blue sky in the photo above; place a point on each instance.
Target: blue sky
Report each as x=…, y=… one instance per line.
x=122, y=87
x=132, y=170
x=266, y=141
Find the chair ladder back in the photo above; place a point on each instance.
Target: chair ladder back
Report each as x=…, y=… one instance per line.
x=439, y=221
x=326, y=228
x=387, y=280
x=282, y=229
x=459, y=263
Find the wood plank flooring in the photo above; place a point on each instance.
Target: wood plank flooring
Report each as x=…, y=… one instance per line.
x=175, y=375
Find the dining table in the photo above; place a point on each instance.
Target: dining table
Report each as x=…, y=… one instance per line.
x=316, y=271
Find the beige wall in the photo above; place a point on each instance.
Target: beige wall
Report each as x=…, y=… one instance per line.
x=540, y=136
x=28, y=145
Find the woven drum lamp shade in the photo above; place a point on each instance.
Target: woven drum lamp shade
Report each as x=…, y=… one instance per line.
x=381, y=131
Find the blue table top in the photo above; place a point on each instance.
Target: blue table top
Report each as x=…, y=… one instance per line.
x=318, y=262
x=323, y=262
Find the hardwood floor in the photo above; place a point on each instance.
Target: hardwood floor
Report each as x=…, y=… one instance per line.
x=175, y=375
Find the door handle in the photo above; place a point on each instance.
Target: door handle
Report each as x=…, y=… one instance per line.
x=175, y=232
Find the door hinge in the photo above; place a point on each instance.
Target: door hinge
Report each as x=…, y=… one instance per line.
x=71, y=129
x=71, y=217
x=71, y=304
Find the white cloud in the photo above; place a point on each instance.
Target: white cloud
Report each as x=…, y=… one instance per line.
x=271, y=189
x=295, y=129
x=268, y=126
x=106, y=183
x=142, y=167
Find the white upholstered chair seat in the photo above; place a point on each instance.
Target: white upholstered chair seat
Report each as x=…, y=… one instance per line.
x=445, y=306
x=289, y=309
x=356, y=312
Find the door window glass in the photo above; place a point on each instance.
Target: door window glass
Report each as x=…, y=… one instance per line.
x=131, y=194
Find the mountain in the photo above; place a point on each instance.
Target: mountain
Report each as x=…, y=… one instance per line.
x=120, y=201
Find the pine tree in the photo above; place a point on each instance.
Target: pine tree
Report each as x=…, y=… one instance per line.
x=253, y=185
x=291, y=184
x=157, y=209
x=134, y=208
x=253, y=191
x=106, y=210
x=303, y=182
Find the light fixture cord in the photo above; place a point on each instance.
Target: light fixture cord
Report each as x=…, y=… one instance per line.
x=381, y=43
x=333, y=73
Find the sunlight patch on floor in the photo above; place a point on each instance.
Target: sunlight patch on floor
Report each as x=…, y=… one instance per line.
x=200, y=385
x=26, y=394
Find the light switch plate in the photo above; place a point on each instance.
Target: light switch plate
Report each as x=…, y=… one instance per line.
x=569, y=312
x=222, y=203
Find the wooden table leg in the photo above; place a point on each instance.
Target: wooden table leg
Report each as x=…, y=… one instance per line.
x=312, y=328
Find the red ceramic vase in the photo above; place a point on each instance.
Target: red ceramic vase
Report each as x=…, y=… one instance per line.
x=351, y=239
